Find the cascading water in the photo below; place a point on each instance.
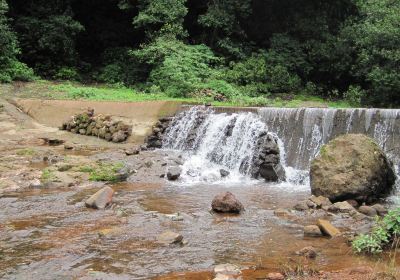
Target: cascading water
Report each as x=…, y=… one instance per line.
x=304, y=130
x=212, y=140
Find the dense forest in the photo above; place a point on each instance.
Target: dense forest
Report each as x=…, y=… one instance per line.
x=335, y=49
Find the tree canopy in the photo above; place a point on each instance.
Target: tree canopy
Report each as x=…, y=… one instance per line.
x=335, y=49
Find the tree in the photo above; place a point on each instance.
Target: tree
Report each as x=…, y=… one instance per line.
x=10, y=67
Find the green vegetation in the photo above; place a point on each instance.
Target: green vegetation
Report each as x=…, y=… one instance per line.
x=384, y=234
x=233, y=52
x=47, y=175
x=103, y=172
x=26, y=152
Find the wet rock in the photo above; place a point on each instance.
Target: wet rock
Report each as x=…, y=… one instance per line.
x=226, y=203
x=123, y=173
x=380, y=209
x=131, y=152
x=308, y=252
x=68, y=147
x=311, y=204
x=312, y=231
x=100, y=199
x=119, y=136
x=173, y=173
x=281, y=213
x=227, y=269
x=352, y=166
x=272, y=172
x=35, y=184
x=320, y=201
x=275, y=276
x=169, y=237
x=352, y=202
x=368, y=211
x=224, y=277
x=301, y=206
x=224, y=173
x=343, y=207
x=327, y=228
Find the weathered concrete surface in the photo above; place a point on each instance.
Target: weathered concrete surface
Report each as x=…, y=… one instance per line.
x=141, y=115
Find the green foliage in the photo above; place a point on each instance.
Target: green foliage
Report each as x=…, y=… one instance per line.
x=104, y=172
x=11, y=68
x=161, y=17
x=67, y=73
x=354, y=95
x=385, y=231
x=47, y=175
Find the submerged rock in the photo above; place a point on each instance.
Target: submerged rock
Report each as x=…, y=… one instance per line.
x=224, y=173
x=169, y=237
x=308, y=252
x=226, y=203
x=174, y=173
x=100, y=199
x=312, y=231
x=352, y=166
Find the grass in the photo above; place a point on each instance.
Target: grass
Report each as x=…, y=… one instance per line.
x=69, y=90
x=104, y=172
x=26, y=152
x=47, y=175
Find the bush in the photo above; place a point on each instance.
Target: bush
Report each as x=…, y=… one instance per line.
x=354, y=95
x=67, y=73
x=385, y=232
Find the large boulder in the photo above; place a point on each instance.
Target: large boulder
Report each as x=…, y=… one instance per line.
x=226, y=203
x=352, y=166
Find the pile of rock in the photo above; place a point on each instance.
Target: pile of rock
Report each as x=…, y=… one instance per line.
x=155, y=139
x=266, y=163
x=100, y=126
x=350, y=206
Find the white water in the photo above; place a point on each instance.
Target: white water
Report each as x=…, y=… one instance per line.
x=211, y=142
x=202, y=136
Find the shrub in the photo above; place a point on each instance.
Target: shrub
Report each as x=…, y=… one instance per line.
x=385, y=232
x=354, y=95
x=67, y=73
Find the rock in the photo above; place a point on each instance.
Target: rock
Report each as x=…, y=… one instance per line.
x=35, y=184
x=227, y=269
x=173, y=173
x=343, y=207
x=226, y=203
x=301, y=206
x=308, y=252
x=169, y=237
x=352, y=202
x=68, y=147
x=380, y=209
x=123, y=173
x=272, y=172
x=368, y=211
x=82, y=131
x=281, y=213
x=64, y=167
x=312, y=231
x=311, y=204
x=352, y=166
x=275, y=276
x=327, y=228
x=118, y=136
x=320, y=201
x=224, y=277
x=131, y=152
x=100, y=199
x=224, y=173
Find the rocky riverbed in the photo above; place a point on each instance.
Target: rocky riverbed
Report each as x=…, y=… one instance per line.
x=153, y=227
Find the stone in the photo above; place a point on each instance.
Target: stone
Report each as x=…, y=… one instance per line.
x=308, y=252
x=35, y=184
x=131, y=152
x=281, y=213
x=380, y=209
x=224, y=173
x=226, y=203
x=123, y=173
x=169, y=237
x=311, y=204
x=82, y=131
x=368, y=211
x=227, y=269
x=320, y=201
x=173, y=173
x=64, y=167
x=352, y=202
x=100, y=199
x=301, y=206
x=327, y=228
x=312, y=231
x=223, y=277
x=352, y=166
x=272, y=172
x=118, y=136
x=343, y=207
x=275, y=276
x=68, y=147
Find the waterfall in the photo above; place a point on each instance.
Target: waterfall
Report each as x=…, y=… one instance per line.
x=303, y=131
x=215, y=141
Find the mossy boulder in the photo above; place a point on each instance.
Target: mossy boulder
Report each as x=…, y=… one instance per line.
x=352, y=166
